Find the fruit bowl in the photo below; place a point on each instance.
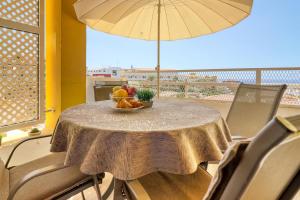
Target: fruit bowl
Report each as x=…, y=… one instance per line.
x=127, y=110
x=123, y=99
x=125, y=104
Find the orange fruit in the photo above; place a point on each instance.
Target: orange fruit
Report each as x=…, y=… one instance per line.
x=121, y=93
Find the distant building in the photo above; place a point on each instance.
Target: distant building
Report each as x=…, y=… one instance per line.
x=107, y=72
x=147, y=74
x=133, y=74
x=136, y=74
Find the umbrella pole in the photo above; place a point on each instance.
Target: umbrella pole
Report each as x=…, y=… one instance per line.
x=158, y=49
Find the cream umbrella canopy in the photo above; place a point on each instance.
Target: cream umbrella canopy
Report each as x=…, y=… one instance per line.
x=161, y=19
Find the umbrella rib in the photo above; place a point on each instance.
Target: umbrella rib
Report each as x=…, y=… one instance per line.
x=214, y=11
x=111, y=11
x=233, y=6
x=167, y=21
x=200, y=17
x=106, y=12
x=182, y=18
x=130, y=32
x=149, y=36
x=124, y=14
x=83, y=15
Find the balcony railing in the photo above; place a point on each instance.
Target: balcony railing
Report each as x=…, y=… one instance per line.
x=217, y=84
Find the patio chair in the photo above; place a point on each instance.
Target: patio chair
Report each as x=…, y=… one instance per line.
x=265, y=168
x=102, y=93
x=252, y=108
x=44, y=178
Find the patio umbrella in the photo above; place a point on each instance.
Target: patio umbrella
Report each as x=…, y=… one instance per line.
x=161, y=19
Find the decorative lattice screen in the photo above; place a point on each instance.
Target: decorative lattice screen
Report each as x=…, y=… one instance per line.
x=19, y=62
x=22, y=11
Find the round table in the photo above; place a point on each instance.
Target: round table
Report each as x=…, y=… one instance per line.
x=174, y=136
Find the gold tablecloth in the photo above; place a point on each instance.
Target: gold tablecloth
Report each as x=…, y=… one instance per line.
x=174, y=136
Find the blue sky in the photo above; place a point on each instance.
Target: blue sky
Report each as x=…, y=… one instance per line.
x=269, y=37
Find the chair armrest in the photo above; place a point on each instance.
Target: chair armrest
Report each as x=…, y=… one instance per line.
x=34, y=174
x=237, y=137
x=137, y=190
x=22, y=142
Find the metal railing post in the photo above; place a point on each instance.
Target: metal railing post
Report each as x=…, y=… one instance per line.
x=258, y=76
x=186, y=89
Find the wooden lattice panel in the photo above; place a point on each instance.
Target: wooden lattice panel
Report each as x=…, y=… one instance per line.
x=22, y=11
x=19, y=77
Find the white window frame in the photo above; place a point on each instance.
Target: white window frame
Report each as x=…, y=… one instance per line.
x=40, y=31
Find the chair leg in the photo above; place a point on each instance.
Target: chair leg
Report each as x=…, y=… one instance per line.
x=97, y=189
x=204, y=165
x=109, y=190
x=82, y=195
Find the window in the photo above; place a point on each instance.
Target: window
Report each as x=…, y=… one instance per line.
x=21, y=63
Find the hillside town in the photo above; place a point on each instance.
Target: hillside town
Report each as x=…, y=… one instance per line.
x=214, y=84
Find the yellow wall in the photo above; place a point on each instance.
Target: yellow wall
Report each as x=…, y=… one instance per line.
x=53, y=61
x=65, y=59
x=73, y=71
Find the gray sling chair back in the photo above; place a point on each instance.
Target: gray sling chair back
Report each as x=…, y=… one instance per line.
x=265, y=168
x=252, y=108
x=102, y=93
x=45, y=178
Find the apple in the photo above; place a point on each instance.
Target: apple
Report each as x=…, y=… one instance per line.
x=131, y=91
x=125, y=87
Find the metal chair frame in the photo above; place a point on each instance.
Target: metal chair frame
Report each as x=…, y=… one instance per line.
x=78, y=187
